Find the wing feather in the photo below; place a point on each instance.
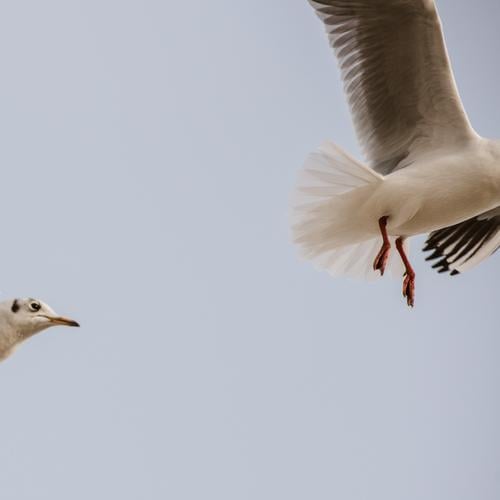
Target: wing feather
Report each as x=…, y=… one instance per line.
x=462, y=246
x=397, y=77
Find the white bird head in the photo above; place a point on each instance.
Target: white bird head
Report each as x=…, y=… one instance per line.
x=32, y=316
x=23, y=318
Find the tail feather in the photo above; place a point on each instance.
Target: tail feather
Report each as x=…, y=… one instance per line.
x=328, y=172
x=328, y=223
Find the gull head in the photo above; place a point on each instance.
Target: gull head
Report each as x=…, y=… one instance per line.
x=20, y=319
x=32, y=316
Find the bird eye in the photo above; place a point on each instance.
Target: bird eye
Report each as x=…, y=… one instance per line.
x=35, y=306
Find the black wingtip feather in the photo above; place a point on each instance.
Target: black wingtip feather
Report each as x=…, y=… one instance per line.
x=461, y=242
x=436, y=254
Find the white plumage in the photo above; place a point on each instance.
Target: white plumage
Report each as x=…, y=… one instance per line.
x=20, y=319
x=429, y=171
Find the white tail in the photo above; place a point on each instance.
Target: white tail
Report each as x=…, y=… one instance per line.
x=328, y=221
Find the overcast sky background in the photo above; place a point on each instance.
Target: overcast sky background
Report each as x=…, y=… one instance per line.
x=148, y=149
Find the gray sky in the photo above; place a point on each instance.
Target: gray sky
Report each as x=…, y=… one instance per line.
x=148, y=152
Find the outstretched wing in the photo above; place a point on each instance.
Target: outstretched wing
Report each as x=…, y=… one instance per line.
x=462, y=246
x=397, y=77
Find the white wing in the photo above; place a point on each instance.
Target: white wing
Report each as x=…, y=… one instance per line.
x=397, y=77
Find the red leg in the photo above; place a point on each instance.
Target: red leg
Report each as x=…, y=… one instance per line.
x=381, y=259
x=409, y=281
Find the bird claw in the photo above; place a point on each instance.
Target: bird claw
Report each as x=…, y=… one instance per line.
x=380, y=262
x=409, y=289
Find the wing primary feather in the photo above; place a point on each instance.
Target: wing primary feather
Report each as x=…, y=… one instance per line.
x=457, y=245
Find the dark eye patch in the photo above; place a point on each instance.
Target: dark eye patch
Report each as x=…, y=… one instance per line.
x=15, y=306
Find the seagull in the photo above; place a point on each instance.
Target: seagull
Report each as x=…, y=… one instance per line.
x=20, y=319
x=427, y=170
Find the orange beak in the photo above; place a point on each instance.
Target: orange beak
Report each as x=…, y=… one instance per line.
x=59, y=320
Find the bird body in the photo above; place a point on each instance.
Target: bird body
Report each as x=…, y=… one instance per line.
x=20, y=319
x=427, y=171
x=423, y=196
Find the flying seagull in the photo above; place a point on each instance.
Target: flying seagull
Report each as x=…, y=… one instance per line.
x=20, y=319
x=428, y=172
